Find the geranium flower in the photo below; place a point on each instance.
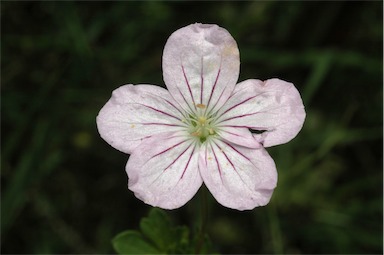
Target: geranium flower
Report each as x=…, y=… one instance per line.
x=199, y=129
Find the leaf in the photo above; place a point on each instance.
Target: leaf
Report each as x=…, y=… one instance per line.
x=202, y=245
x=132, y=242
x=158, y=228
x=182, y=234
x=159, y=235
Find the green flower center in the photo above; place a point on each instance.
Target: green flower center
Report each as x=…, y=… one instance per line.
x=201, y=126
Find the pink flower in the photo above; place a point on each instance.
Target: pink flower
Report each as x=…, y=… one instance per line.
x=199, y=129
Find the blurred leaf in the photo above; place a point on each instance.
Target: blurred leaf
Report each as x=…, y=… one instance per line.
x=158, y=233
x=11, y=202
x=157, y=227
x=202, y=245
x=182, y=234
x=319, y=72
x=132, y=242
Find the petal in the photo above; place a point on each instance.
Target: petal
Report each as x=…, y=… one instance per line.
x=163, y=170
x=201, y=65
x=273, y=106
x=239, y=136
x=135, y=113
x=238, y=177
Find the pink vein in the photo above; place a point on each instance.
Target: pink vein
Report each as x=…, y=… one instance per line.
x=241, y=126
x=233, y=148
x=206, y=156
x=181, y=154
x=231, y=133
x=161, y=124
x=213, y=107
x=202, y=81
x=185, y=100
x=240, y=116
x=170, y=103
x=168, y=149
x=217, y=163
x=214, y=86
x=189, y=87
x=230, y=162
x=189, y=160
x=236, y=105
x=157, y=110
x=226, y=157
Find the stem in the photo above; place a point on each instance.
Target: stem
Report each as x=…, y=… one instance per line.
x=203, y=219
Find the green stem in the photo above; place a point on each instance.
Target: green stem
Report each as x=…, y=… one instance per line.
x=203, y=220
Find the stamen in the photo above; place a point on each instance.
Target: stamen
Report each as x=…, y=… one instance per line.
x=201, y=106
x=200, y=124
x=202, y=120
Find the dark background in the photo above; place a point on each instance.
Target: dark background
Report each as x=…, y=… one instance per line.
x=63, y=189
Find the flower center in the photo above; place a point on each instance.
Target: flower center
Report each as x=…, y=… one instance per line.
x=201, y=126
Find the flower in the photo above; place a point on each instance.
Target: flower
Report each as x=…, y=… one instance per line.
x=199, y=130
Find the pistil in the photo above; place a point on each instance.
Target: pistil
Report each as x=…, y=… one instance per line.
x=200, y=125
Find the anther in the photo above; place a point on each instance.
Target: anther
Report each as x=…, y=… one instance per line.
x=201, y=106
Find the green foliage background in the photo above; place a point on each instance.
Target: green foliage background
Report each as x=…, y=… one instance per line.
x=63, y=189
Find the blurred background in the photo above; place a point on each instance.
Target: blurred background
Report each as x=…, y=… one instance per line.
x=63, y=189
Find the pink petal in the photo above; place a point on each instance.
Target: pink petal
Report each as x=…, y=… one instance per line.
x=238, y=177
x=136, y=112
x=163, y=170
x=201, y=65
x=239, y=136
x=273, y=106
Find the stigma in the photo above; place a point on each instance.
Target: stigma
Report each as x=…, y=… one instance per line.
x=201, y=127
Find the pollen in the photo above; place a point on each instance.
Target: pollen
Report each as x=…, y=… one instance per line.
x=197, y=134
x=201, y=106
x=133, y=125
x=202, y=121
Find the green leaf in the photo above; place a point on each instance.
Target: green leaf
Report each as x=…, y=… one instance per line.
x=132, y=242
x=159, y=235
x=158, y=228
x=182, y=246
x=202, y=245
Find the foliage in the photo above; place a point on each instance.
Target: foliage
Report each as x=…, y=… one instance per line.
x=158, y=235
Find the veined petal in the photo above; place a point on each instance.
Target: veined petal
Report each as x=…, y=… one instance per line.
x=201, y=66
x=238, y=177
x=273, y=106
x=163, y=170
x=239, y=136
x=136, y=112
